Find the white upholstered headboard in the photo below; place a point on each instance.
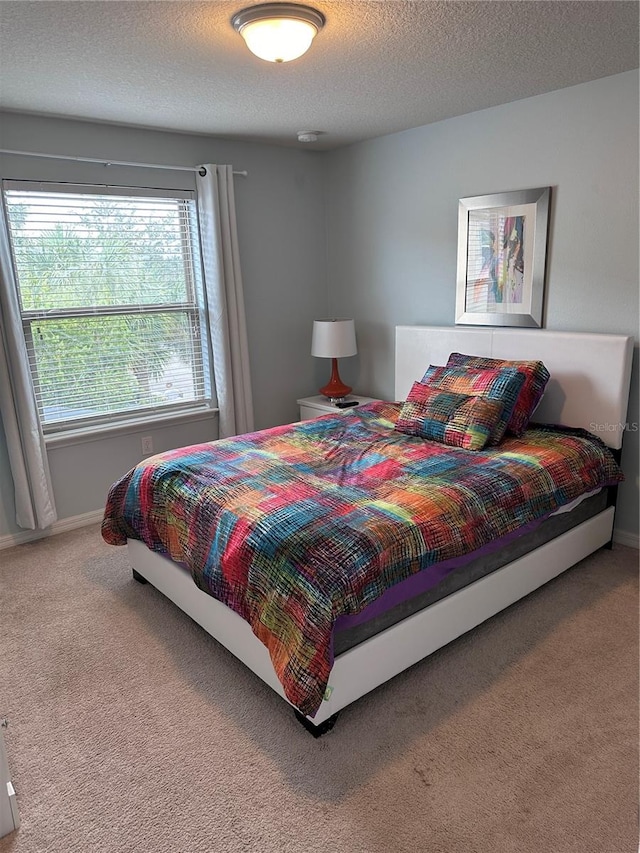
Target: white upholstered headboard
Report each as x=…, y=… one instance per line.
x=590, y=373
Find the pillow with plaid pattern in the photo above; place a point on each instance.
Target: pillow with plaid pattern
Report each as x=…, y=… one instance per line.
x=459, y=420
x=501, y=386
x=536, y=377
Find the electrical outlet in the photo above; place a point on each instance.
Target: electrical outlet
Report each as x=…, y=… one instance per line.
x=147, y=445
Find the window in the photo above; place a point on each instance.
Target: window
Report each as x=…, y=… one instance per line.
x=111, y=299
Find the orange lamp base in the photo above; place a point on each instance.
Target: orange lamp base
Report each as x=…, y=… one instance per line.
x=335, y=389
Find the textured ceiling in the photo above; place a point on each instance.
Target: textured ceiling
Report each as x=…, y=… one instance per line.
x=375, y=68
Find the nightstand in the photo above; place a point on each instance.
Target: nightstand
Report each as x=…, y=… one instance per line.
x=314, y=407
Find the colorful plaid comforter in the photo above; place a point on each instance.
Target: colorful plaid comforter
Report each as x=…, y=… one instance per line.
x=293, y=526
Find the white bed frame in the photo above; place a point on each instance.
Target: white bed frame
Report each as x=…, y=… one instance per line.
x=589, y=388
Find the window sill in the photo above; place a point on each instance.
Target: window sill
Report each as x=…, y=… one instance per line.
x=142, y=424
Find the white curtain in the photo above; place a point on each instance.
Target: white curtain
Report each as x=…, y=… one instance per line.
x=35, y=507
x=223, y=285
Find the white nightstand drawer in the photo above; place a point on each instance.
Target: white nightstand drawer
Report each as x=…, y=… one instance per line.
x=315, y=407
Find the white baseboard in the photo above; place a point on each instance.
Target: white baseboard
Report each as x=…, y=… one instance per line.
x=623, y=537
x=61, y=526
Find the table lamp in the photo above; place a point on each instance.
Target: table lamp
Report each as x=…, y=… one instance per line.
x=334, y=339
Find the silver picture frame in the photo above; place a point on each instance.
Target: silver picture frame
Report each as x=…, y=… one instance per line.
x=502, y=247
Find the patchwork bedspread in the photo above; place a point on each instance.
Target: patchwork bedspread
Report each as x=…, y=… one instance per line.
x=294, y=526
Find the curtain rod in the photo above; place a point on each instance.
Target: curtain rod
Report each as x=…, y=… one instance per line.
x=108, y=162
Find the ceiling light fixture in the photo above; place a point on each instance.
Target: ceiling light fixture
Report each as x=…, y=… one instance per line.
x=278, y=32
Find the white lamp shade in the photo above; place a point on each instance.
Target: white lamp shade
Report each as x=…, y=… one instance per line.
x=333, y=339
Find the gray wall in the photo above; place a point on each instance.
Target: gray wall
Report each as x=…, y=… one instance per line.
x=392, y=224
x=280, y=210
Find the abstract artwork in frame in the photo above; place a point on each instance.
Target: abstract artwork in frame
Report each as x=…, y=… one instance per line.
x=502, y=245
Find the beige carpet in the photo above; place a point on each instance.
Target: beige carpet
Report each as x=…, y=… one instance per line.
x=132, y=730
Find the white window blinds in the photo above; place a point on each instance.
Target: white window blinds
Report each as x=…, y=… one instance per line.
x=111, y=298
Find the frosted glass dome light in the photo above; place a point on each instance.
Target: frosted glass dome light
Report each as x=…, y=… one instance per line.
x=278, y=32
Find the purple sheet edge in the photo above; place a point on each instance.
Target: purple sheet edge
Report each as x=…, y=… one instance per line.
x=427, y=578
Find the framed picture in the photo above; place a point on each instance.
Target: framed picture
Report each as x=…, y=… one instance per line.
x=502, y=245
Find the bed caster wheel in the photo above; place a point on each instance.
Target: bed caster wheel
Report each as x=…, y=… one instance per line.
x=138, y=577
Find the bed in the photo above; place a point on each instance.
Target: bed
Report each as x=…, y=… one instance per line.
x=589, y=386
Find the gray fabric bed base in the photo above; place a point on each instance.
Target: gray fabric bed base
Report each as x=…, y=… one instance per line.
x=554, y=526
